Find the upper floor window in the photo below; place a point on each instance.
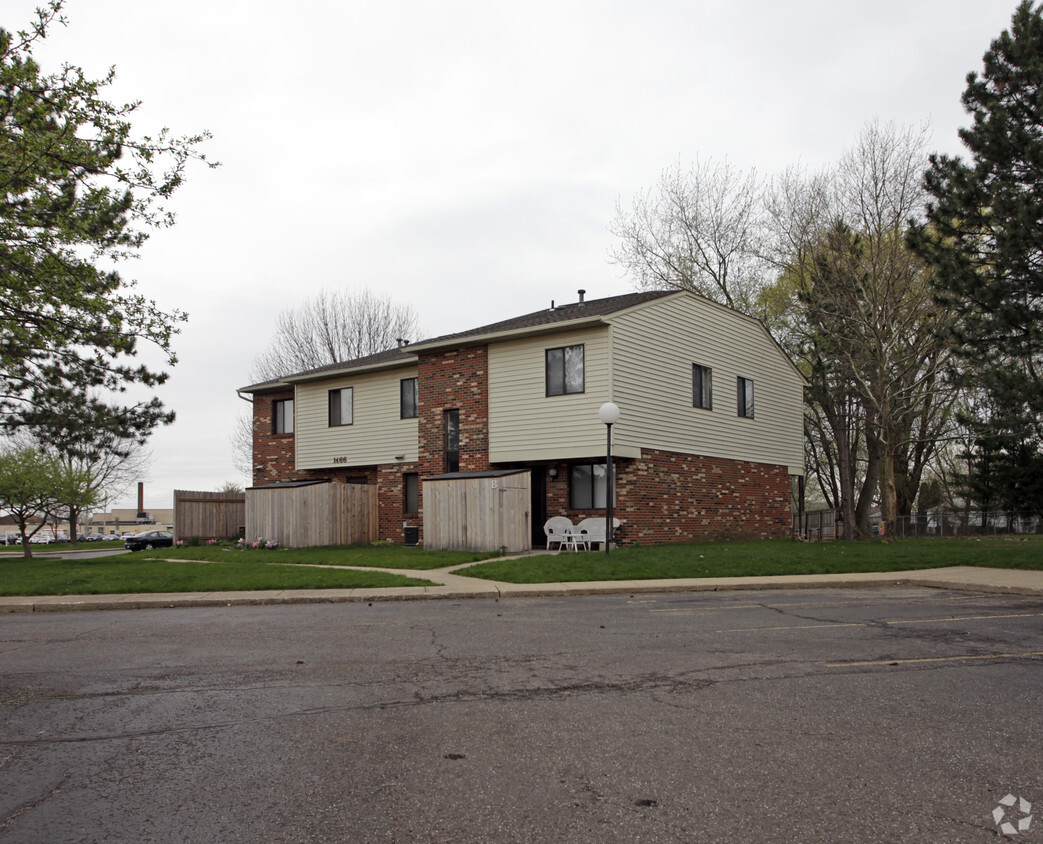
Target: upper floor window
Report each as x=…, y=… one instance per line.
x=282, y=416
x=702, y=387
x=564, y=370
x=744, y=393
x=408, y=399
x=341, y=406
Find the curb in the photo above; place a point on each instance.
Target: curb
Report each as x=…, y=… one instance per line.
x=974, y=580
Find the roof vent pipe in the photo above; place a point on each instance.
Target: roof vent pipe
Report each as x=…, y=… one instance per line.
x=402, y=341
x=582, y=293
x=552, y=304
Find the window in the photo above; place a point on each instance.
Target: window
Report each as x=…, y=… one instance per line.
x=407, y=399
x=564, y=370
x=452, y=440
x=745, y=397
x=341, y=407
x=282, y=416
x=588, y=484
x=410, y=492
x=702, y=383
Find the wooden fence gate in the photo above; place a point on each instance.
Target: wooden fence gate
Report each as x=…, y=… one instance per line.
x=478, y=511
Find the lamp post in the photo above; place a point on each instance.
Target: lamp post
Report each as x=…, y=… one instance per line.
x=609, y=414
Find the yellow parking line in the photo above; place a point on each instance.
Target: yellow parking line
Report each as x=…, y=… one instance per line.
x=933, y=659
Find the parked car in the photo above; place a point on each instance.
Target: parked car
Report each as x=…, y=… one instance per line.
x=148, y=540
x=110, y=537
x=95, y=537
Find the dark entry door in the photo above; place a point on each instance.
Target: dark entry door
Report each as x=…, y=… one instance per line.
x=538, y=508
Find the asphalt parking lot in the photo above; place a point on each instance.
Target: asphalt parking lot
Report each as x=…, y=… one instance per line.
x=888, y=714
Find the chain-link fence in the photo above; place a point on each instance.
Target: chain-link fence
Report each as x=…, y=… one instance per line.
x=967, y=523
x=826, y=524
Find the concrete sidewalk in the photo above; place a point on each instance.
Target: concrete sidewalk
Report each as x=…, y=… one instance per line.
x=454, y=586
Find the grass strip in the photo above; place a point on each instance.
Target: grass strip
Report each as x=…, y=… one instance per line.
x=134, y=573
x=54, y=547
x=752, y=559
x=367, y=556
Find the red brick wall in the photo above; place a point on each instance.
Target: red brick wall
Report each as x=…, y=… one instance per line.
x=391, y=501
x=671, y=497
x=454, y=380
x=275, y=452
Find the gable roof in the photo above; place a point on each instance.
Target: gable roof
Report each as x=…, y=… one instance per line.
x=572, y=315
x=379, y=360
x=547, y=319
x=593, y=310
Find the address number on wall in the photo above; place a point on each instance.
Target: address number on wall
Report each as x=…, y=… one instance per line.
x=340, y=460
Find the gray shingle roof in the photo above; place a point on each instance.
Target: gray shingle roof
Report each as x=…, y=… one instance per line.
x=546, y=317
x=389, y=356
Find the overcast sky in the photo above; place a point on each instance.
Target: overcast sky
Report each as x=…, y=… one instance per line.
x=467, y=157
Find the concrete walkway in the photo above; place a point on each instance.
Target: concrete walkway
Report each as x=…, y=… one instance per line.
x=454, y=586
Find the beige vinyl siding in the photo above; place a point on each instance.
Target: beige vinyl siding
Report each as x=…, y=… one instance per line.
x=377, y=434
x=653, y=349
x=527, y=424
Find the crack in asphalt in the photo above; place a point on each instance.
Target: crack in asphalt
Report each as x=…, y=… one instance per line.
x=658, y=684
x=418, y=699
x=23, y=644
x=29, y=805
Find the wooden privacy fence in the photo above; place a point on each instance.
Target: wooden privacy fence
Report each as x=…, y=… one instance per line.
x=479, y=511
x=208, y=515
x=312, y=514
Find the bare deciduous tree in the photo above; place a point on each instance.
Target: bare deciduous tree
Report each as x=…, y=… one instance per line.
x=335, y=326
x=821, y=258
x=867, y=315
x=700, y=230
x=242, y=442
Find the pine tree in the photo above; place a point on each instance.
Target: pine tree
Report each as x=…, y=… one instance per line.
x=78, y=193
x=984, y=231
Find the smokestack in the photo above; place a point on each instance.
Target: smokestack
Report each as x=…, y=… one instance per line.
x=582, y=293
x=141, y=500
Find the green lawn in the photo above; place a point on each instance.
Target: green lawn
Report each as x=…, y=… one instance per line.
x=41, y=548
x=130, y=573
x=219, y=568
x=743, y=559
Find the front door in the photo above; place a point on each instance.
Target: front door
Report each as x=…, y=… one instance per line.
x=538, y=507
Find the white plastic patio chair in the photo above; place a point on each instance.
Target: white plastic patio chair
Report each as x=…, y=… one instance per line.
x=592, y=532
x=557, y=529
